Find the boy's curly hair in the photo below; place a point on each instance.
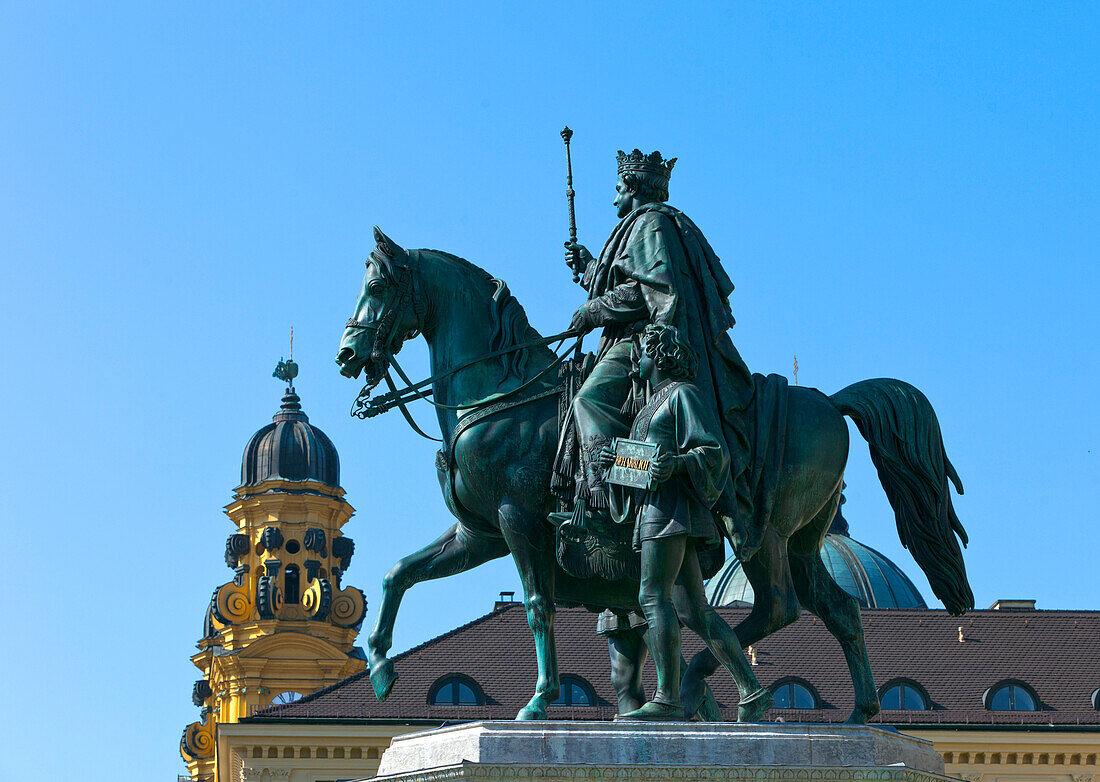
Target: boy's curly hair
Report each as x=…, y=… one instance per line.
x=671, y=352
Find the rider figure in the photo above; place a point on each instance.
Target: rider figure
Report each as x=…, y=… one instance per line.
x=658, y=268
x=673, y=523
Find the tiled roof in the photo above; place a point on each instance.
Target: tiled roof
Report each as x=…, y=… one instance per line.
x=1056, y=653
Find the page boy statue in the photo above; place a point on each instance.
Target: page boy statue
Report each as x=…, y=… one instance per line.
x=673, y=521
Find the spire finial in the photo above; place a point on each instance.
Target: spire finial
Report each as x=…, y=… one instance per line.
x=796, y=370
x=287, y=370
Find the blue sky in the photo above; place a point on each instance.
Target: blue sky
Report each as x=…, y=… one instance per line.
x=904, y=189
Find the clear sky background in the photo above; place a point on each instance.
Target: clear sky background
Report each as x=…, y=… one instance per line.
x=901, y=189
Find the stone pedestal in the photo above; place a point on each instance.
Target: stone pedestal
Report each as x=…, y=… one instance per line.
x=553, y=751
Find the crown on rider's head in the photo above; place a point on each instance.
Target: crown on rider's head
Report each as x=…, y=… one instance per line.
x=653, y=163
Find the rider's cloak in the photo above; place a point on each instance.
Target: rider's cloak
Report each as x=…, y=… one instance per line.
x=657, y=267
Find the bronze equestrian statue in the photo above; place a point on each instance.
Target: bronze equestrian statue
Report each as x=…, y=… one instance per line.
x=520, y=462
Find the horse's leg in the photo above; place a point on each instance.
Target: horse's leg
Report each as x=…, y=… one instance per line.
x=628, y=652
x=693, y=610
x=774, y=607
x=838, y=610
x=532, y=549
x=628, y=655
x=452, y=553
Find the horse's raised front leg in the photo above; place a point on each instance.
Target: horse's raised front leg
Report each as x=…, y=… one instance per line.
x=530, y=540
x=452, y=553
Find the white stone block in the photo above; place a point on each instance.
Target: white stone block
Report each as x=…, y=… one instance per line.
x=766, y=752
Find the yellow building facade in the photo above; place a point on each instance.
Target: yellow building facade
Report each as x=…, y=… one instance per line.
x=285, y=625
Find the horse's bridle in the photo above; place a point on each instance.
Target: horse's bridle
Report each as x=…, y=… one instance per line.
x=404, y=295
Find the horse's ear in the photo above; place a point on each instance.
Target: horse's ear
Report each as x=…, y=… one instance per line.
x=387, y=246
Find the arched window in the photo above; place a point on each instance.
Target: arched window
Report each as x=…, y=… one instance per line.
x=456, y=691
x=792, y=694
x=290, y=581
x=1096, y=699
x=285, y=697
x=1011, y=696
x=904, y=696
x=575, y=692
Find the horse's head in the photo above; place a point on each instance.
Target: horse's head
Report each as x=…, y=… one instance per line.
x=386, y=314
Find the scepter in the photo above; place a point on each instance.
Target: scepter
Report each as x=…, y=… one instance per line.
x=567, y=134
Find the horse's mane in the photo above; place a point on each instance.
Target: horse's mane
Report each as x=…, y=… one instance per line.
x=508, y=318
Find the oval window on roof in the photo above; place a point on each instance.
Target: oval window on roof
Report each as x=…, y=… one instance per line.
x=904, y=697
x=1010, y=696
x=575, y=692
x=793, y=695
x=455, y=691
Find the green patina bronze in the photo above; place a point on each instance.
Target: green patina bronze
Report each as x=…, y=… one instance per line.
x=742, y=457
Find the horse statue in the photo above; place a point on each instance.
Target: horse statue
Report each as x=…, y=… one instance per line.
x=498, y=397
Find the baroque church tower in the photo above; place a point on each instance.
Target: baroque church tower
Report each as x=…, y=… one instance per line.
x=285, y=625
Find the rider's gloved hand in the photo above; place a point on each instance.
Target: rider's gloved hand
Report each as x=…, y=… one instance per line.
x=577, y=257
x=583, y=320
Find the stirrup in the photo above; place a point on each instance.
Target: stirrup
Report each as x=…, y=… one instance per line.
x=576, y=528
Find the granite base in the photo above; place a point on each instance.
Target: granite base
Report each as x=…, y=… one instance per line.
x=552, y=751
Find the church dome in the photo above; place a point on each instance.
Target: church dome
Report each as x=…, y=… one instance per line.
x=290, y=448
x=862, y=572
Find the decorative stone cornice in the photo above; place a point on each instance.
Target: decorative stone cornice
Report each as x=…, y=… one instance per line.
x=568, y=773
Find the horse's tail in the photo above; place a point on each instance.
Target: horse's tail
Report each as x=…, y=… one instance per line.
x=903, y=434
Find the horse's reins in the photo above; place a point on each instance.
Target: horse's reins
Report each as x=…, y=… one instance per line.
x=407, y=293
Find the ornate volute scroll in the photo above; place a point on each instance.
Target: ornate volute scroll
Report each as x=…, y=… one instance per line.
x=314, y=541
x=271, y=539
x=343, y=548
x=349, y=607
x=201, y=692
x=232, y=604
x=269, y=599
x=198, y=740
x=317, y=599
x=236, y=547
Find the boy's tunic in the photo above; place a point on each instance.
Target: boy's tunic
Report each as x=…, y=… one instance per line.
x=680, y=422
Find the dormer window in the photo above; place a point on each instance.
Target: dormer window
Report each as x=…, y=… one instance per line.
x=1011, y=696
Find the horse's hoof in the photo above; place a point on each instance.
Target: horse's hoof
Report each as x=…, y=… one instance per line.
x=693, y=694
x=752, y=708
x=382, y=677
x=531, y=713
x=708, y=710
